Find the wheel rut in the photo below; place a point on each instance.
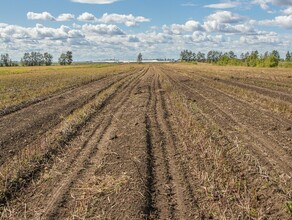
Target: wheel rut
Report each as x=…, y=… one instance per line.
x=171, y=195
x=90, y=148
x=28, y=124
x=266, y=148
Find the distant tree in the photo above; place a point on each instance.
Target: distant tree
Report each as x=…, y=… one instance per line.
x=194, y=57
x=62, y=59
x=271, y=61
x=276, y=54
x=266, y=54
x=288, y=56
x=252, y=59
x=26, y=60
x=48, y=59
x=69, y=57
x=232, y=55
x=5, y=60
x=139, y=58
x=35, y=59
x=201, y=57
x=66, y=58
x=213, y=56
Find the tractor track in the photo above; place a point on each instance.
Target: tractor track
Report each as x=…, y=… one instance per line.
x=161, y=144
x=84, y=148
x=24, y=126
x=268, y=151
x=171, y=194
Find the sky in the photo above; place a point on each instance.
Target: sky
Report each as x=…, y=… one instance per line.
x=120, y=29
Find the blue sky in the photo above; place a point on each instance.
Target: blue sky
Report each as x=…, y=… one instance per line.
x=106, y=29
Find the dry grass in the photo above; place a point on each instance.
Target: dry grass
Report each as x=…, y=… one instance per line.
x=276, y=105
x=24, y=165
x=272, y=79
x=233, y=184
x=23, y=84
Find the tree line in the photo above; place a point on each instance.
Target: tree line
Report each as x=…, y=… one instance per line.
x=36, y=59
x=6, y=61
x=252, y=59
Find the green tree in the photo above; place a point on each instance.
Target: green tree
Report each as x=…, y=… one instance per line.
x=62, y=59
x=69, y=57
x=5, y=60
x=276, y=54
x=66, y=58
x=139, y=58
x=288, y=56
x=48, y=59
x=201, y=57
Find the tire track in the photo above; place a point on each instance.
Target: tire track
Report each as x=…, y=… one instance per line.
x=170, y=195
x=263, y=91
x=89, y=149
x=270, y=153
x=23, y=127
x=23, y=181
x=274, y=129
x=16, y=108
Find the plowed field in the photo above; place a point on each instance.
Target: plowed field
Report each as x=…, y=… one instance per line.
x=166, y=141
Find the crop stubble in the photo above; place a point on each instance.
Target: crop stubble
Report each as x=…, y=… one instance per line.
x=166, y=145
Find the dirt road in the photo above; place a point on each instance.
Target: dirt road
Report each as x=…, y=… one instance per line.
x=163, y=145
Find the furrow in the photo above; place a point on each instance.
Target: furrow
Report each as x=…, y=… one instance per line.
x=90, y=148
x=25, y=126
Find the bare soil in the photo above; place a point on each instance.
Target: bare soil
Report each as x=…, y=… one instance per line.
x=166, y=145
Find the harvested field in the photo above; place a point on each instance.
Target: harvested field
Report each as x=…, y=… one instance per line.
x=165, y=141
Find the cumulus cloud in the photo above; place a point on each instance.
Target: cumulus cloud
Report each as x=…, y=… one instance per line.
x=128, y=20
x=189, y=26
x=65, y=17
x=95, y=1
x=226, y=22
x=224, y=5
x=265, y=4
x=46, y=16
x=40, y=16
x=288, y=11
x=282, y=21
x=225, y=17
x=102, y=29
x=86, y=17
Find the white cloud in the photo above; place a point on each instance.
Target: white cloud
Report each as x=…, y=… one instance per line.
x=223, y=5
x=128, y=20
x=282, y=21
x=262, y=3
x=87, y=17
x=46, y=16
x=226, y=17
x=264, y=39
x=102, y=29
x=40, y=16
x=288, y=11
x=189, y=26
x=65, y=17
x=95, y=1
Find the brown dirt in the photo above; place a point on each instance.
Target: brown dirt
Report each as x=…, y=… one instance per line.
x=25, y=125
x=165, y=146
